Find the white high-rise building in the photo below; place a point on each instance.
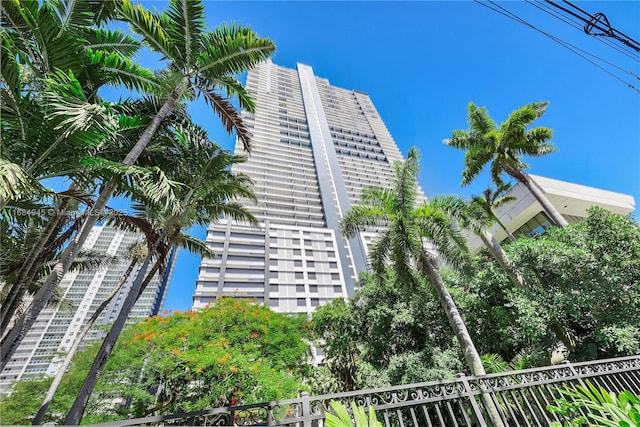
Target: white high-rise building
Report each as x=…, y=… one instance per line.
x=315, y=147
x=44, y=346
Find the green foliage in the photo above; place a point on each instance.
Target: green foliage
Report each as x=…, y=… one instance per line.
x=230, y=353
x=381, y=337
x=607, y=409
x=585, y=277
x=343, y=419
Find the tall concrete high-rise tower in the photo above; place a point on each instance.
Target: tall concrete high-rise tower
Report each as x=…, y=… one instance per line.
x=57, y=326
x=316, y=146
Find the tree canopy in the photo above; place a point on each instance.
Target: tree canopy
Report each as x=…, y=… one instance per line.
x=585, y=277
x=231, y=353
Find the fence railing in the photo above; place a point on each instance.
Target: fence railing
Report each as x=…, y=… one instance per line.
x=520, y=396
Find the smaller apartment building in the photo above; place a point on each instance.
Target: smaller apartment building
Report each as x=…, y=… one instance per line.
x=525, y=216
x=57, y=326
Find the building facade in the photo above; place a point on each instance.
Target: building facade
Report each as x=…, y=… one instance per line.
x=316, y=146
x=525, y=216
x=56, y=328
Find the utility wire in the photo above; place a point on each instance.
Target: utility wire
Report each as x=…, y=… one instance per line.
x=610, y=27
x=573, y=23
x=593, y=21
x=562, y=43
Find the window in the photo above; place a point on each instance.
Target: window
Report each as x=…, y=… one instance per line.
x=297, y=252
x=299, y=275
x=302, y=302
x=299, y=288
x=311, y=264
x=312, y=276
x=297, y=263
x=335, y=276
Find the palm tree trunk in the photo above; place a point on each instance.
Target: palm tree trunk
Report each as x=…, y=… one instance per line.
x=498, y=253
x=76, y=344
x=551, y=211
x=457, y=324
x=27, y=272
x=510, y=235
x=79, y=405
x=17, y=333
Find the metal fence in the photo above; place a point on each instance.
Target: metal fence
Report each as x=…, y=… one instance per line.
x=520, y=396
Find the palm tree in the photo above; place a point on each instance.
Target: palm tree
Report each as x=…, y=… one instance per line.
x=201, y=62
x=137, y=252
x=491, y=200
x=54, y=61
x=504, y=147
x=211, y=193
x=478, y=221
x=402, y=244
x=474, y=218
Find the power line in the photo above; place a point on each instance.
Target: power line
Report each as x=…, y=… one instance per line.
x=573, y=23
x=600, y=22
x=611, y=28
x=561, y=42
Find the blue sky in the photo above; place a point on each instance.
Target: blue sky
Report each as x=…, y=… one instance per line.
x=422, y=62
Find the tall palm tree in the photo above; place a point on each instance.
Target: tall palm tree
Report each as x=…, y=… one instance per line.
x=504, y=147
x=211, y=193
x=137, y=252
x=474, y=218
x=493, y=199
x=201, y=62
x=478, y=221
x=55, y=59
x=402, y=244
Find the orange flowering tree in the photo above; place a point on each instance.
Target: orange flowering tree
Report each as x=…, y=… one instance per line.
x=230, y=353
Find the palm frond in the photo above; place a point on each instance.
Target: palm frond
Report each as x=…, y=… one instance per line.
x=9, y=68
x=111, y=41
x=360, y=218
x=479, y=120
x=148, y=25
x=406, y=243
x=378, y=255
x=195, y=246
x=440, y=230
x=91, y=260
x=405, y=181
x=237, y=212
x=186, y=18
x=232, y=49
x=69, y=107
x=498, y=197
x=231, y=120
x=232, y=88
x=460, y=139
x=513, y=129
x=496, y=170
x=475, y=160
x=120, y=70
x=16, y=182
x=72, y=13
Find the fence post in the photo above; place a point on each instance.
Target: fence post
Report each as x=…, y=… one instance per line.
x=472, y=399
x=306, y=409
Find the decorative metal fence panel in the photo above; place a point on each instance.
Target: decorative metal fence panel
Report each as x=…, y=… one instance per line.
x=521, y=398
